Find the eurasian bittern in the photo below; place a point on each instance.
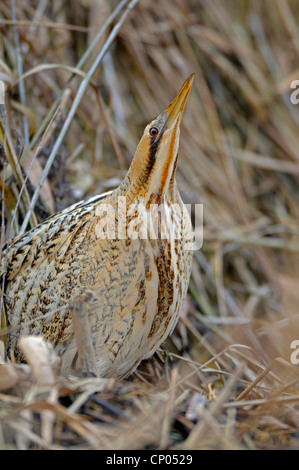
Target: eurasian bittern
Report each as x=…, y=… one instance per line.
x=137, y=284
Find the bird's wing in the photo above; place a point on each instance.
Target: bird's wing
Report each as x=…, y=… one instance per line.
x=35, y=274
x=47, y=237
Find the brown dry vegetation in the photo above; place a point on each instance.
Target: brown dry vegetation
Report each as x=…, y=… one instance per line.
x=224, y=379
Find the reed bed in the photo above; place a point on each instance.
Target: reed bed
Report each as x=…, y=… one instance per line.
x=82, y=82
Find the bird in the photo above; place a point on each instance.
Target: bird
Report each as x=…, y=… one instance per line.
x=133, y=280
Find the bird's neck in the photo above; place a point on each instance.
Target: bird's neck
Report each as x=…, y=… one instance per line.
x=152, y=181
x=137, y=188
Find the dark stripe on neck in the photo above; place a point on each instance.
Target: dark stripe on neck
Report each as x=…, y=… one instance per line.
x=151, y=158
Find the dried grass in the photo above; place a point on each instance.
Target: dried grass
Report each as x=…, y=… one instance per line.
x=225, y=380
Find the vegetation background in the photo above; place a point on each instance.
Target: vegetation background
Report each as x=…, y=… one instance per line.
x=224, y=380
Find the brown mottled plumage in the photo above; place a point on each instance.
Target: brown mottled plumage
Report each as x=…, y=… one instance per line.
x=136, y=284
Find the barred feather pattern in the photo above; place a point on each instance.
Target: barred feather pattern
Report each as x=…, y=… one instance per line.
x=137, y=288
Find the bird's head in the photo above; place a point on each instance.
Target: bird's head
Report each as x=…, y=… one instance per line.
x=154, y=163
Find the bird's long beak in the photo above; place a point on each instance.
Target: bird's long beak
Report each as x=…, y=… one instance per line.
x=177, y=106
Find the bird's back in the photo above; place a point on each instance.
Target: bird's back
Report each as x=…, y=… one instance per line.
x=34, y=266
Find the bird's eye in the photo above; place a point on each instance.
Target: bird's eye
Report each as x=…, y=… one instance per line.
x=153, y=131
